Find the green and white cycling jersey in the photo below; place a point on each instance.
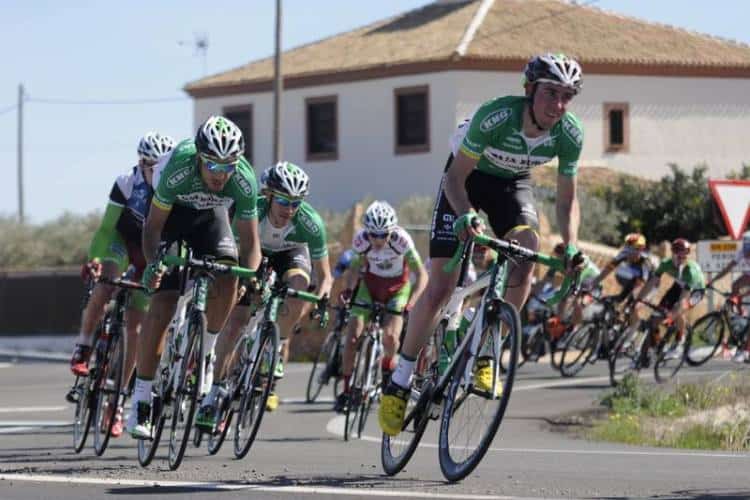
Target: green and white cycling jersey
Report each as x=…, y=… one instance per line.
x=306, y=229
x=495, y=138
x=583, y=280
x=178, y=180
x=391, y=260
x=689, y=276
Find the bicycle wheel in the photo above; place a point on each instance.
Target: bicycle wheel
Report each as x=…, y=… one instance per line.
x=670, y=356
x=471, y=418
x=108, y=394
x=705, y=338
x=186, y=392
x=257, y=382
x=83, y=415
x=580, y=348
x=396, y=451
x=533, y=344
x=323, y=361
x=358, y=385
x=625, y=356
x=160, y=401
x=372, y=391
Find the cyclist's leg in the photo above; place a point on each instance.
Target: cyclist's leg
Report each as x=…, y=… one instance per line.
x=238, y=319
x=295, y=268
x=392, y=328
x=135, y=314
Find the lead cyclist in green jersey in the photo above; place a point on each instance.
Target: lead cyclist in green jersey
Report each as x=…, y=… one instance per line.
x=293, y=237
x=504, y=140
x=195, y=186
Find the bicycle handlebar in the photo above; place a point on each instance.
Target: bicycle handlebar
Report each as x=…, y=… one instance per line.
x=207, y=265
x=505, y=247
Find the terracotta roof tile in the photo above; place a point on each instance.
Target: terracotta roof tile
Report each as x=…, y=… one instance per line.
x=512, y=30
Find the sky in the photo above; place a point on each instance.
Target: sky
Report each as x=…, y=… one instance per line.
x=93, y=55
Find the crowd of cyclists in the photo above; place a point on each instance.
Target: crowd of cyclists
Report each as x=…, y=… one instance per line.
x=202, y=194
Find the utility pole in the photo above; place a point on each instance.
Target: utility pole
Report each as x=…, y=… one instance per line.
x=277, y=88
x=20, y=153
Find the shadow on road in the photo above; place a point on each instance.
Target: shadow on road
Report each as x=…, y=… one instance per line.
x=696, y=495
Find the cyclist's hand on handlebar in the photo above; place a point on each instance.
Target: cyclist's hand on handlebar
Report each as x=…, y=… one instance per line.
x=92, y=270
x=468, y=225
x=152, y=276
x=346, y=295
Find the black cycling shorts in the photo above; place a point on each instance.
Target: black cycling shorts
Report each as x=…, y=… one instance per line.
x=207, y=232
x=297, y=259
x=508, y=203
x=670, y=298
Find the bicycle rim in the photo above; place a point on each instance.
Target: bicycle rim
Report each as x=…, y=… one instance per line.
x=83, y=415
x=396, y=451
x=665, y=367
x=579, y=349
x=371, y=392
x=314, y=385
x=625, y=357
x=470, y=420
x=255, y=392
x=356, y=391
x=186, y=393
x=705, y=338
x=108, y=395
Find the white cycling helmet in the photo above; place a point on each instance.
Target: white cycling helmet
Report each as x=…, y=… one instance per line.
x=220, y=140
x=555, y=68
x=286, y=178
x=153, y=146
x=380, y=217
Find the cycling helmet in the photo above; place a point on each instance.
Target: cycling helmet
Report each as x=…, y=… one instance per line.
x=153, y=146
x=680, y=245
x=554, y=68
x=287, y=179
x=220, y=140
x=380, y=217
x=635, y=241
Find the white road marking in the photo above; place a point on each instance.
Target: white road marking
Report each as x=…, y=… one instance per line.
x=36, y=423
x=5, y=365
x=11, y=430
x=297, y=401
x=33, y=409
x=250, y=487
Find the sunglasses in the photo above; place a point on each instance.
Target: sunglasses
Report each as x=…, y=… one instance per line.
x=222, y=168
x=286, y=202
x=380, y=236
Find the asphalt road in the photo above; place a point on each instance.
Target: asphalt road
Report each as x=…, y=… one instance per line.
x=300, y=452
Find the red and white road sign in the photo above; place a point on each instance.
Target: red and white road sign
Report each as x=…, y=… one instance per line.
x=733, y=198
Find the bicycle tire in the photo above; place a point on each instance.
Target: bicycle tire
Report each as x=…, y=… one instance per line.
x=160, y=391
x=82, y=416
x=396, y=451
x=255, y=390
x=372, y=392
x=108, y=397
x=625, y=357
x=665, y=367
x=456, y=400
x=190, y=382
x=358, y=380
x=580, y=348
x=705, y=338
x=322, y=360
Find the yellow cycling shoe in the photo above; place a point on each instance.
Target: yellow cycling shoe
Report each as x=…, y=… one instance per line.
x=392, y=409
x=272, y=402
x=483, y=377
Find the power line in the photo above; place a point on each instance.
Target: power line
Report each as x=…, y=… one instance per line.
x=107, y=102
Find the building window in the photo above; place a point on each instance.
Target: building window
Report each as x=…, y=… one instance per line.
x=322, y=128
x=242, y=116
x=412, y=120
x=616, y=127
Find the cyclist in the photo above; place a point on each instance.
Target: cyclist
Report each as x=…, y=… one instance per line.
x=688, y=277
x=195, y=185
x=633, y=267
x=293, y=237
x=117, y=244
x=343, y=263
x=742, y=258
x=387, y=254
x=580, y=276
x=491, y=170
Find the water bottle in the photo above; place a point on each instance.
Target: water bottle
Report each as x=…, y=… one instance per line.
x=450, y=340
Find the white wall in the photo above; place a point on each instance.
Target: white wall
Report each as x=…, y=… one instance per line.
x=682, y=120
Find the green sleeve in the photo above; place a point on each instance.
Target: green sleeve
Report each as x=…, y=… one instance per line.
x=106, y=232
x=413, y=258
x=319, y=243
x=562, y=292
x=477, y=137
x=663, y=267
x=245, y=192
x=571, y=143
x=695, y=279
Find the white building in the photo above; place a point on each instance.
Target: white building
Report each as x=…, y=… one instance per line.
x=370, y=111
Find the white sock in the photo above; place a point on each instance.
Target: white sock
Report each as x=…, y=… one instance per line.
x=402, y=374
x=142, y=391
x=209, y=342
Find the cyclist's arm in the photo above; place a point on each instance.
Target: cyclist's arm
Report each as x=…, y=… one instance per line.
x=249, y=242
x=416, y=265
x=352, y=274
x=455, y=183
x=106, y=232
x=152, y=228
x=560, y=294
x=567, y=208
x=652, y=283
x=325, y=278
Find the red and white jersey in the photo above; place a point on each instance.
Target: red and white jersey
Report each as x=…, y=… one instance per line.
x=390, y=260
